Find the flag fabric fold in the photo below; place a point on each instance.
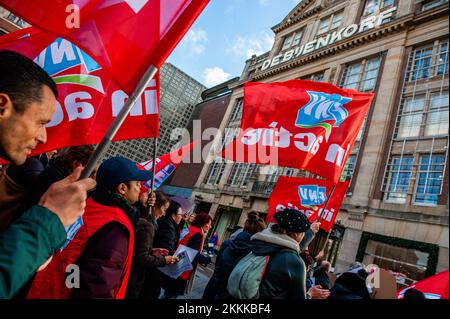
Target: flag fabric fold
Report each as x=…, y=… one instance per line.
x=308, y=195
x=124, y=36
x=434, y=287
x=88, y=99
x=299, y=124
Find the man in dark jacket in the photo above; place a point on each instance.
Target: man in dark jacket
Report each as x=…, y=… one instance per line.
x=103, y=247
x=229, y=255
x=285, y=275
x=27, y=103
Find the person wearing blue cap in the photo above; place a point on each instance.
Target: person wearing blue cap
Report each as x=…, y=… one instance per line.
x=103, y=247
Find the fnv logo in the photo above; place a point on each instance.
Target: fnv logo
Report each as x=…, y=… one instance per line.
x=60, y=56
x=323, y=110
x=312, y=196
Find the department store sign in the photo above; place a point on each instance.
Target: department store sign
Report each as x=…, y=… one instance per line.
x=319, y=43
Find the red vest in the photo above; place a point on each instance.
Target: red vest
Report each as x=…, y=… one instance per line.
x=192, y=231
x=50, y=282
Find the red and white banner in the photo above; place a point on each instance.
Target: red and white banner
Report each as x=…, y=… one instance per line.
x=165, y=165
x=309, y=196
x=435, y=287
x=300, y=124
x=124, y=36
x=88, y=99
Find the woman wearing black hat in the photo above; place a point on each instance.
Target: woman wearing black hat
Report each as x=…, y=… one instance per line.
x=285, y=275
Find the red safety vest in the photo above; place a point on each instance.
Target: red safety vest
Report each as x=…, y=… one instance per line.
x=50, y=282
x=192, y=231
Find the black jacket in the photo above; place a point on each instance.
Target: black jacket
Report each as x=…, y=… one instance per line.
x=285, y=276
x=143, y=260
x=349, y=286
x=167, y=235
x=230, y=253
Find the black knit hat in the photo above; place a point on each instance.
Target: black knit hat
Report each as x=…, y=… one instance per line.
x=292, y=220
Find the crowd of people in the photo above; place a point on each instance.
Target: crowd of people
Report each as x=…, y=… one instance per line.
x=128, y=233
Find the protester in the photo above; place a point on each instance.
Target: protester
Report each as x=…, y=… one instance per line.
x=194, y=239
x=285, y=272
x=103, y=247
x=212, y=244
x=309, y=263
x=350, y=285
x=413, y=295
x=145, y=258
x=321, y=275
x=229, y=255
x=185, y=223
x=60, y=166
x=27, y=103
x=167, y=237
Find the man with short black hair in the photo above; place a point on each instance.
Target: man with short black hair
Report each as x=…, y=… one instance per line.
x=27, y=103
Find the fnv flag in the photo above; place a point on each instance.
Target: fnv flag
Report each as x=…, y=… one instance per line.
x=124, y=36
x=165, y=165
x=434, y=287
x=309, y=196
x=300, y=124
x=88, y=99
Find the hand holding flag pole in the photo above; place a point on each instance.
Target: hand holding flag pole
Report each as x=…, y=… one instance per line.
x=112, y=130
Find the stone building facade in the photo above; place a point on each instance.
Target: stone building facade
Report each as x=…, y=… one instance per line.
x=396, y=210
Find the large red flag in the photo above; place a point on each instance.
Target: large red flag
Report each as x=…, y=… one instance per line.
x=435, y=287
x=123, y=36
x=301, y=124
x=166, y=164
x=309, y=196
x=88, y=99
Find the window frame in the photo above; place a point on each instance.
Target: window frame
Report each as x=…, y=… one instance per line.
x=331, y=21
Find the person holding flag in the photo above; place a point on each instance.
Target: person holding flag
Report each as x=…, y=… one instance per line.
x=103, y=247
x=27, y=104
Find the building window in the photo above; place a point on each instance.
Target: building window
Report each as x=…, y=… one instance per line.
x=400, y=172
x=317, y=77
x=437, y=117
x=428, y=5
x=376, y=6
x=412, y=261
x=411, y=117
x=429, y=61
x=429, y=180
x=362, y=76
x=230, y=134
x=331, y=22
x=240, y=174
x=237, y=111
x=215, y=172
x=349, y=168
x=292, y=40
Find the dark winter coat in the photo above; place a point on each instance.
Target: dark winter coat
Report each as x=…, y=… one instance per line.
x=143, y=260
x=167, y=236
x=349, y=286
x=229, y=255
x=285, y=276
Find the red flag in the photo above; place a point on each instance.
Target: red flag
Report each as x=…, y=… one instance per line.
x=301, y=124
x=124, y=36
x=435, y=287
x=309, y=196
x=88, y=99
x=165, y=165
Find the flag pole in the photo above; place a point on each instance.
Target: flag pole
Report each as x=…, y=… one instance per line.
x=118, y=121
x=320, y=216
x=152, y=181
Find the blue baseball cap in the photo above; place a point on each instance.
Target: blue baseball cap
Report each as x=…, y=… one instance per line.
x=118, y=170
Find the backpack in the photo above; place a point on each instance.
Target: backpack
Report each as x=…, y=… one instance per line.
x=246, y=277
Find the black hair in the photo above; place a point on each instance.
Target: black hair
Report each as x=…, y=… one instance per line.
x=413, y=294
x=23, y=80
x=173, y=208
